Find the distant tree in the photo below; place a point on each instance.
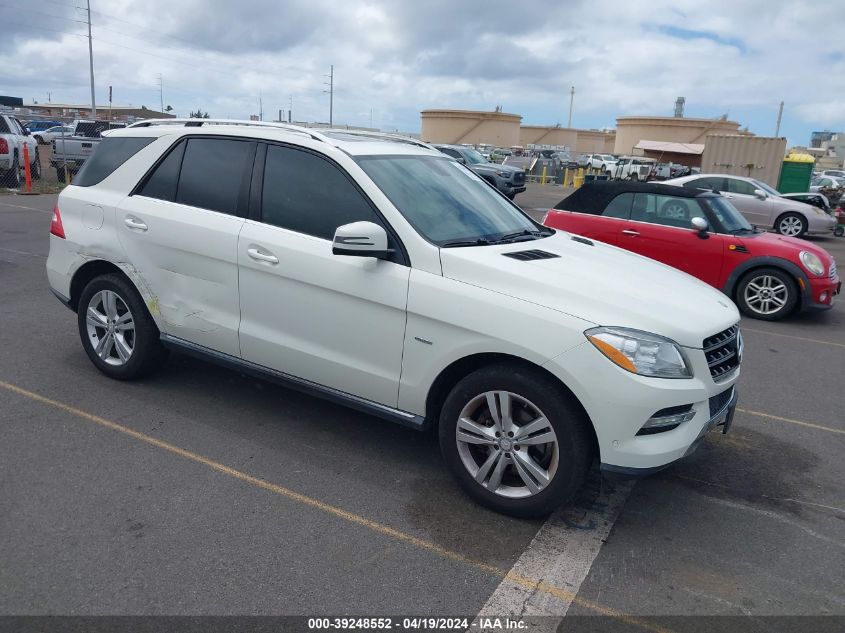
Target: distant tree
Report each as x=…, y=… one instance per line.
x=168, y=108
x=199, y=114
x=143, y=107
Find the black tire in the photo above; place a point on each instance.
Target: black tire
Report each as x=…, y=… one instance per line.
x=60, y=174
x=567, y=419
x=39, y=139
x=147, y=351
x=634, y=177
x=510, y=196
x=839, y=231
x=36, y=166
x=789, y=220
x=13, y=176
x=754, y=308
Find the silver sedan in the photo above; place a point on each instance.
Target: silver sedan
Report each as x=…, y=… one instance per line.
x=762, y=205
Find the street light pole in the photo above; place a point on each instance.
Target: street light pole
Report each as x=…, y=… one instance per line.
x=91, y=63
x=571, y=100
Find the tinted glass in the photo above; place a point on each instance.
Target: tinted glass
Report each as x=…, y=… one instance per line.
x=716, y=184
x=109, y=154
x=770, y=190
x=161, y=184
x=620, y=206
x=740, y=186
x=212, y=173
x=443, y=200
x=450, y=152
x=308, y=194
x=730, y=219
x=4, y=127
x=665, y=210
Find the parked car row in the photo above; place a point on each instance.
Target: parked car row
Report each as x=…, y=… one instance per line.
x=14, y=137
x=509, y=180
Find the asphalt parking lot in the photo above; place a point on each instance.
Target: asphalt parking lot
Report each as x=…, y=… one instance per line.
x=200, y=491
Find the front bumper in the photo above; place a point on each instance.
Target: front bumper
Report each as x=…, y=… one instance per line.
x=822, y=292
x=619, y=403
x=721, y=418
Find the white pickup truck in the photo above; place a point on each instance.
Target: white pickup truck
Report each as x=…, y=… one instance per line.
x=70, y=153
x=633, y=168
x=13, y=138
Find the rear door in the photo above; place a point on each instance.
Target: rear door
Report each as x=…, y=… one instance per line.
x=180, y=233
x=660, y=228
x=334, y=320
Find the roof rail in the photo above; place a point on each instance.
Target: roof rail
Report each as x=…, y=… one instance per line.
x=385, y=136
x=201, y=122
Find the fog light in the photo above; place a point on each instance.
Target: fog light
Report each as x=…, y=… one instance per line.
x=823, y=297
x=667, y=419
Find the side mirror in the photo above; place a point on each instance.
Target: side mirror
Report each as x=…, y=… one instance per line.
x=360, y=239
x=700, y=226
x=759, y=193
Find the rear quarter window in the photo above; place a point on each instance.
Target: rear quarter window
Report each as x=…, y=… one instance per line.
x=109, y=154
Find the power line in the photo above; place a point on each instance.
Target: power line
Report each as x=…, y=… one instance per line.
x=49, y=15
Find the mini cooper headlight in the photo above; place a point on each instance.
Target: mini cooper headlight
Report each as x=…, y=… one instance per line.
x=811, y=262
x=640, y=352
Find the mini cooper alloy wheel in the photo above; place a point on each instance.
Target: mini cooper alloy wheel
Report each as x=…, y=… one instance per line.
x=507, y=444
x=766, y=294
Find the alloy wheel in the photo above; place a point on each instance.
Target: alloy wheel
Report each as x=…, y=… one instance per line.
x=791, y=226
x=111, y=327
x=507, y=444
x=766, y=294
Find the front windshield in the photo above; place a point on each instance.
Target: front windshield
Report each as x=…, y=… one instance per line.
x=445, y=201
x=472, y=157
x=727, y=214
x=766, y=188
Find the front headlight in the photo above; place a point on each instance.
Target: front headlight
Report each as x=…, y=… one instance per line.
x=640, y=352
x=503, y=174
x=811, y=262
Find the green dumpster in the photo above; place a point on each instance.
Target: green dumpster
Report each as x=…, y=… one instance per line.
x=796, y=173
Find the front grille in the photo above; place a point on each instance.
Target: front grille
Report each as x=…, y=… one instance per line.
x=719, y=401
x=525, y=256
x=722, y=352
x=519, y=177
x=832, y=270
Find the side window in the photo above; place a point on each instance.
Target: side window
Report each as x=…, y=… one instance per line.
x=620, y=206
x=307, y=194
x=109, y=154
x=212, y=173
x=665, y=210
x=161, y=184
x=4, y=126
x=451, y=152
x=716, y=184
x=740, y=186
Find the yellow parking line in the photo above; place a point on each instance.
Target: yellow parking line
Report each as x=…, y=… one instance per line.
x=791, y=421
x=792, y=336
x=380, y=528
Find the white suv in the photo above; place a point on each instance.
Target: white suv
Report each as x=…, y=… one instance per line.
x=384, y=275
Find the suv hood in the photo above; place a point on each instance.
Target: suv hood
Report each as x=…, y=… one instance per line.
x=598, y=283
x=493, y=167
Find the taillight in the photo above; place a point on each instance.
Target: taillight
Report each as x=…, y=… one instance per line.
x=56, y=227
x=4, y=146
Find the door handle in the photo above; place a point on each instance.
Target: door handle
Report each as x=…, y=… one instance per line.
x=257, y=255
x=630, y=232
x=135, y=223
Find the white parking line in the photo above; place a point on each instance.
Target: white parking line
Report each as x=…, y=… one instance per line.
x=561, y=554
x=20, y=206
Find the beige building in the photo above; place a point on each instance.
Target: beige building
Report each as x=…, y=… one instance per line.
x=579, y=141
x=468, y=126
x=630, y=130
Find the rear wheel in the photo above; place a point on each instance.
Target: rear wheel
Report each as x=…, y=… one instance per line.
x=514, y=440
x=767, y=293
x=60, y=174
x=12, y=178
x=117, y=332
x=791, y=225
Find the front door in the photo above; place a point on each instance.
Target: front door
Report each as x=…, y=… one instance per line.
x=660, y=228
x=335, y=320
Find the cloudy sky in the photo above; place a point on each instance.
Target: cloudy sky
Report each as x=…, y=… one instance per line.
x=393, y=58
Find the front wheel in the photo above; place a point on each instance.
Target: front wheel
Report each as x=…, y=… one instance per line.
x=117, y=332
x=515, y=441
x=769, y=294
x=791, y=225
x=510, y=196
x=36, y=166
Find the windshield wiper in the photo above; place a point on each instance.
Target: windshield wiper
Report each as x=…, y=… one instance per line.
x=476, y=242
x=514, y=237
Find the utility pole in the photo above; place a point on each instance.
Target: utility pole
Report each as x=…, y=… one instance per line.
x=91, y=63
x=571, y=100
x=780, y=114
x=371, y=117
x=161, y=91
x=331, y=95
x=260, y=107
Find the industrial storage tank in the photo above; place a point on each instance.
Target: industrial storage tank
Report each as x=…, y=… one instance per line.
x=630, y=130
x=470, y=126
